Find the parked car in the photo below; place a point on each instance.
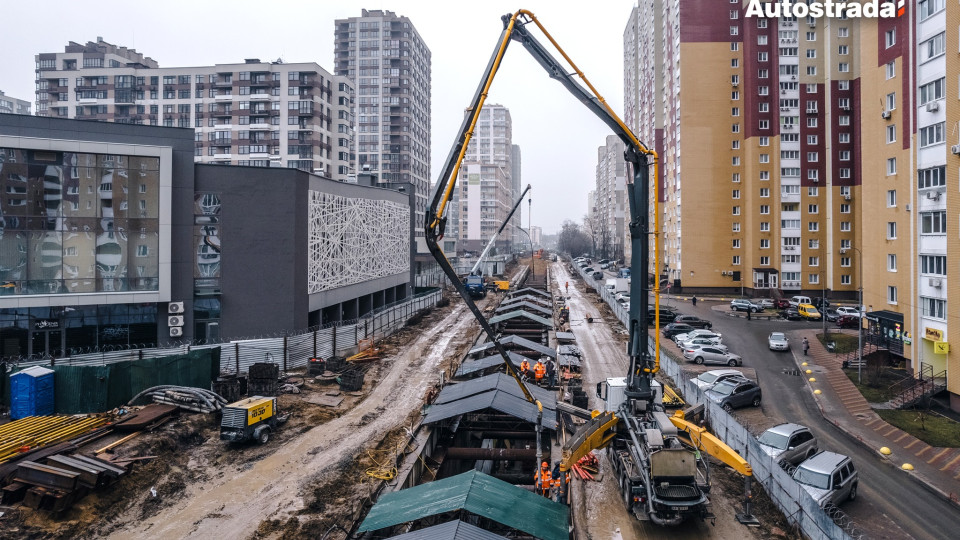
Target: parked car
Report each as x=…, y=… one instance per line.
x=623, y=272
x=820, y=303
x=788, y=443
x=844, y=310
x=704, y=341
x=680, y=338
x=781, y=303
x=848, y=321
x=830, y=314
x=807, y=311
x=791, y=314
x=622, y=297
x=830, y=478
x=598, y=276
x=667, y=315
x=603, y=261
x=734, y=393
x=694, y=321
x=707, y=354
x=589, y=270
x=604, y=266
x=797, y=300
x=741, y=304
x=675, y=329
x=777, y=341
x=767, y=303
x=707, y=379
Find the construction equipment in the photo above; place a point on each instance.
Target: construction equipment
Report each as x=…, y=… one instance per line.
x=663, y=478
x=250, y=419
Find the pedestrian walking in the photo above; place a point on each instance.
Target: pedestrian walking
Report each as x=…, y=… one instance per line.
x=748, y=314
x=694, y=301
x=806, y=346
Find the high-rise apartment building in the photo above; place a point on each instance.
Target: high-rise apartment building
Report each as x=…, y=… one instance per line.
x=486, y=187
x=832, y=178
x=516, y=236
x=12, y=105
x=389, y=63
x=253, y=113
x=611, y=198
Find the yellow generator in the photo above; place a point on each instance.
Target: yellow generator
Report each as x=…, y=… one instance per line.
x=502, y=285
x=251, y=418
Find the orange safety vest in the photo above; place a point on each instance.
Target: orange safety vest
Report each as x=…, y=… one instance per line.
x=539, y=370
x=545, y=481
x=524, y=366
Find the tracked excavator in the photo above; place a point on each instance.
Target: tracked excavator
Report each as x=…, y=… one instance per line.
x=659, y=460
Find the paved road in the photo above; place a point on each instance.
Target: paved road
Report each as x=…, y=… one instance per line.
x=888, y=506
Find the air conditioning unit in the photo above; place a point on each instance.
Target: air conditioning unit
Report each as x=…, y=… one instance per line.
x=176, y=331
x=790, y=248
x=936, y=282
x=846, y=197
x=933, y=106
x=723, y=273
x=175, y=307
x=955, y=149
x=793, y=77
x=885, y=115
x=933, y=195
x=175, y=320
x=907, y=207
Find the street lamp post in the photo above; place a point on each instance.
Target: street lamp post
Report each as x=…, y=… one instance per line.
x=859, y=314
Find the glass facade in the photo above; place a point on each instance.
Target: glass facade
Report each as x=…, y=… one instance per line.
x=78, y=222
x=58, y=331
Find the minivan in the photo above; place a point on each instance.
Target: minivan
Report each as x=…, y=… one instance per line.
x=829, y=478
x=797, y=300
x=807, y=311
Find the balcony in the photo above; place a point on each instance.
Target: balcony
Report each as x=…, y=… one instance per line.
x=224, y=97
x=222, y=127
x=259, y=127
x=87, y=101
x=222, y=157
x=259, y=97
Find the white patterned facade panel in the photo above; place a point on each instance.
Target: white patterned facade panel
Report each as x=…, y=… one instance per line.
x=355, y=240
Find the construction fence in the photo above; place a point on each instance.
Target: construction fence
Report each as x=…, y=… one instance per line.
x=800, y=509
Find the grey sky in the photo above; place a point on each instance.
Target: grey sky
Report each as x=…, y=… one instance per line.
x=557, y=135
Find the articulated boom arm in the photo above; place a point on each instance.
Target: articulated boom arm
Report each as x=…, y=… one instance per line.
x=707, y=442
x=642, y=365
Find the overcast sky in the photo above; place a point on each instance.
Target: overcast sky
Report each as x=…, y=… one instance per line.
x=557, y=135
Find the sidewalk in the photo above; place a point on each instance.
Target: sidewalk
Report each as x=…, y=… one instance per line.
x=842, y=404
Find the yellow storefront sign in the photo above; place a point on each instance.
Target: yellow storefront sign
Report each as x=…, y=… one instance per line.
x=941, y=347
x=932, y=334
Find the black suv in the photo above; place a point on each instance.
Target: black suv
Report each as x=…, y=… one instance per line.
x=675, y=329
x=693, y=321
x=666, y=315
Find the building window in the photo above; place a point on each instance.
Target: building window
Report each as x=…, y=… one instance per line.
x=932, y=135
x=811, y=53
x=735, y=145
x=844, y=104
x=735, y=161
x=891, y=198
x=844, y=173
x=843, y=138
x=933, y=264
x=813, y=192
x=813, y=226
x=891, y=134
x=844, y=119
x=844, y=67
x=764, y=141
x=763, y=90
x=891, y=166
x=932, y=47
x=736, y=260
x=933, y=222
x=764, y=158
x=811, y=36
x=761, y=23
x=845, y=262
x=814, y=279
x=890, y=38
x=764, y=124
x=843, y=31
x=735, y=194
x=843, y=49
x=891, y=295
x=844, y=226
x=845, y=208
x=763, y=74
x=813, y=209
x=845, y=279
x=734, y=62
x=843, y=85
x=764, y=243
x=813, y=174
x=736, y=210
x=736, y=243
x=764, y=209
x=891, y=262
x=891, y=69
x=734, y=46
x=813, y=157
x=935, y=308
x=734, y=30
x=931, y=178
x=764, y=192
x=813, y=261
x=932, y=91
x=765, y=261
x=764, y=175
x=735, y=128
x=929, y=7
x=736, y=227
x=891, y=230
x=811, y=70
x=735, y=178
x=844, y=155
x=764, y=225
x=735, y=111
x=789, y=223
x=811, y=122
x=891, y=101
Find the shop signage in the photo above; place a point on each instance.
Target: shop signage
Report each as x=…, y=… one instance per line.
x=46, y=324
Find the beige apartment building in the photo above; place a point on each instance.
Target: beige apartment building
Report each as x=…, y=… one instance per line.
x=268, y=114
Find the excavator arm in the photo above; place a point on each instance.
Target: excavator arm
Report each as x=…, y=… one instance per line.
x=710, y=444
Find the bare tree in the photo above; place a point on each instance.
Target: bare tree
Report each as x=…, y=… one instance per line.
x=593, y=230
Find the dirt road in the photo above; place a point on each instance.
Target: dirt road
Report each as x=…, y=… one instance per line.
x=234, y=504
x=598, y=511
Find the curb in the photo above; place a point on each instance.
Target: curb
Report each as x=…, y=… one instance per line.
x=917, y=477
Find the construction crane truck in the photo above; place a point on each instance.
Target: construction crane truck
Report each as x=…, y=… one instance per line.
x=664, y=476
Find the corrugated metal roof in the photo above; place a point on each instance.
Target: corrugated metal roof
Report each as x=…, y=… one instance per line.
x=501, y=400
x=522, y=343
x=472, y=366
x=568, y=360
x=525, y=314
x=571, y=350
x=518, y=292
x=499, y=381
x=451, y=530
x=527, y=298
x=566, y=336
x=478, y=494
x=535, y=308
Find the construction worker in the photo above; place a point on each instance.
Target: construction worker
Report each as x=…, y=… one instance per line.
x=559, y=479
x=567, y=286
x=524, y=368
x=539, y=371
x=544, y=480
x=551, y=371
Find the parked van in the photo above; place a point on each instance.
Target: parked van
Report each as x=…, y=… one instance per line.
x=797, y=300
x=624, y=273
x=808, y=311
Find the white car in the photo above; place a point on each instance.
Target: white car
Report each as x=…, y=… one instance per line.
x=777, y=341
x=713, y=342
x=766, y=303
x=709, y=354
x=680, y=338
x=707, y=379
x=844, y=310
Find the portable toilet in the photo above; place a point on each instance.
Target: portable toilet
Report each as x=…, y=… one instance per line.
x=31, y=393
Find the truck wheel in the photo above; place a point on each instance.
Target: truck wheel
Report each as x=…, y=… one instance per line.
x=263, y=436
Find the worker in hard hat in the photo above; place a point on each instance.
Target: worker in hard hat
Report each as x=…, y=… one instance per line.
x=544, y=480
x=524, y=368
x=539, y=371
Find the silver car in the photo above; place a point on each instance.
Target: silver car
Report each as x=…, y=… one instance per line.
x=777, y=341
x=708, y=354
x=680, y=338
x=829, y=478
x=788, y=443
x=707, y=379
x=715, y=342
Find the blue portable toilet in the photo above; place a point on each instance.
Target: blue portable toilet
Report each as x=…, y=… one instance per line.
x=31, y=393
